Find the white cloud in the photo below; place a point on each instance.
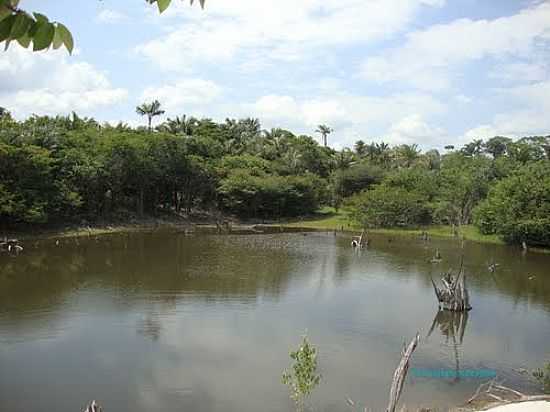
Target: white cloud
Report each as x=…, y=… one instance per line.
x=111, y=16
x=428, y=57
x=520, y=71
x=285, y=30
x=49, y=83
x=186, y=92
x=413, y=129
x=530, y=116
x=394, y=117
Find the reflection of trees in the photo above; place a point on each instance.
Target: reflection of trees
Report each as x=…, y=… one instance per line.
x=150, y=326
x=165, y=266
x=452, y=326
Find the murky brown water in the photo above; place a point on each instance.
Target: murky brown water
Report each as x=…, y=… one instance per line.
x=167, y=322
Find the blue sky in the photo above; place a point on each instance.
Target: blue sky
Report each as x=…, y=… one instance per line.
x=434, y=72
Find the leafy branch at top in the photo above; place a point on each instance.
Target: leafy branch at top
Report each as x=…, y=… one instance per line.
x=24, y=28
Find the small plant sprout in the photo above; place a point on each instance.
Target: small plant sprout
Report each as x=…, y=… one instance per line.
x=303, y=377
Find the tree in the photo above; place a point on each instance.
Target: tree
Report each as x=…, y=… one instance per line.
x=324, y=131
x=497, y=146
x=473, y=148
x=180, y=125
x=387, y=206
x=360, y=148
x=25, y=28
x=518, y=207
x=150, y=110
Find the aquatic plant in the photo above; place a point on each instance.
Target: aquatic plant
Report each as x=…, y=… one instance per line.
x=303, y=377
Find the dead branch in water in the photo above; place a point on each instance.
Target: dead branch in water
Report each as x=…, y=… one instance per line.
x=93, y=407
x=493, y=393
x=400, y=374
x=454, y=294
x=398, y=377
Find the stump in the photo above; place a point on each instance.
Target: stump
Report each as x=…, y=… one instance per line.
x=454, y=294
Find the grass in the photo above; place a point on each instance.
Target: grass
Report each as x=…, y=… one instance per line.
x=328, y=219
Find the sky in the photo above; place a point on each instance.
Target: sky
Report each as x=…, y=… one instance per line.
x=432, y=72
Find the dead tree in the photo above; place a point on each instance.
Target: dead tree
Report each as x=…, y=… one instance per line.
x=360, y=241
x=400, y=374
x=93, y=407
x=398, y=377
x=454, y=294
x=492, y=393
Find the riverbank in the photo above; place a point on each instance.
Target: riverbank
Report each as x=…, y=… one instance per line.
x=328, y=219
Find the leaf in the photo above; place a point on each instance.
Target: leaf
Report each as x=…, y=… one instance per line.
x=4, y=12
x=57, y=38
x=5, y=27
x=43, y=36
x=20, y=26
x=66, y=36
x=40, y=18
x=163, y=4
x=24, y=40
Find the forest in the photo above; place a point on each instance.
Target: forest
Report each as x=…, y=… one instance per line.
x=71, y=169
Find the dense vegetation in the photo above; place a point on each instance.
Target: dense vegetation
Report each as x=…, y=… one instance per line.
x=70, y=169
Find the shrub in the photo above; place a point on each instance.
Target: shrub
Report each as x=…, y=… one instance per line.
x=386, y=206
x=517, y=208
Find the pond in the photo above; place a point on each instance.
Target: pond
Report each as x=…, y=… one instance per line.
x=170, y=322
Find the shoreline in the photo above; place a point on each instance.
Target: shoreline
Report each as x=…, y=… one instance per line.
x=208, y=224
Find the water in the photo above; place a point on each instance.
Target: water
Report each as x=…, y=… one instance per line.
x=168, y=322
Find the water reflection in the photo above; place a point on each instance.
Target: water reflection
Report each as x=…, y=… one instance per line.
x=165, y=321
x=452, y=326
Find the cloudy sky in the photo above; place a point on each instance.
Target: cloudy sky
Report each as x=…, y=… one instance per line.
x=429, y=71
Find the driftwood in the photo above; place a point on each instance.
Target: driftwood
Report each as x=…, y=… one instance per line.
x=493, y=393
x=454, y=294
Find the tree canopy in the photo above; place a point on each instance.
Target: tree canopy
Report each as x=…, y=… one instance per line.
x=69, y=168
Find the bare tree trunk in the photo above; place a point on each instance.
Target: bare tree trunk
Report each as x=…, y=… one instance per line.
x=400, y=374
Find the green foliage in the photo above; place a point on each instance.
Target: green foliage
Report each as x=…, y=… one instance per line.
x=68, y=168
x=256, y=194
x=356, y=178
x=150, y=110
x=386, y=206
x=303, y=378
x=25, y=28
x=518, y=207
x=543, y=376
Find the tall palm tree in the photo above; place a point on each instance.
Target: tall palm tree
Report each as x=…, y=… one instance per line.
x=324, y=131
x=150, y=110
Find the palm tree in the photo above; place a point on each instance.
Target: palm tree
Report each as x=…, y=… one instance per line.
x=324, y=131
x=407, y=154
x=344, y=159
x=180, y=125
x=150, y=110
